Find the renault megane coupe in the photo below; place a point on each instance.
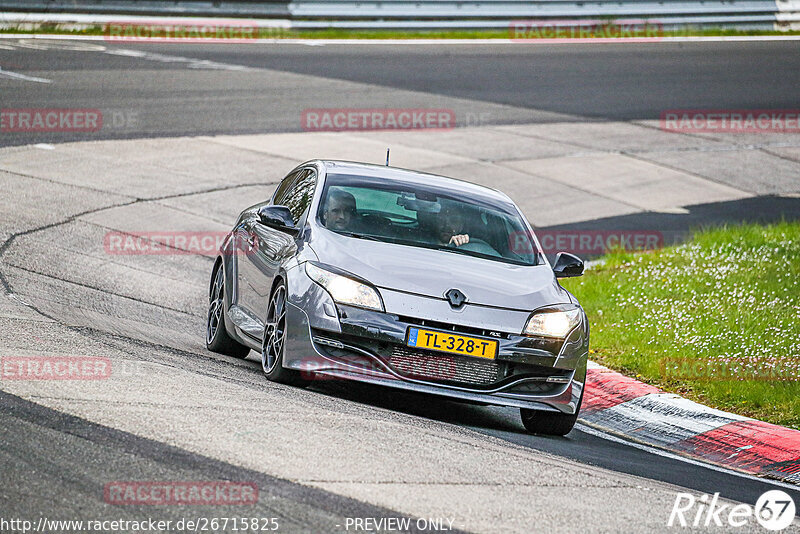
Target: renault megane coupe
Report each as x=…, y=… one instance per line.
x=402, y=279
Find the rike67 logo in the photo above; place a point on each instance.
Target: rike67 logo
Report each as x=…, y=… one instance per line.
x=774, y=510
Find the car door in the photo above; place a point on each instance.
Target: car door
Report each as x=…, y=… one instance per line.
x=246, y=297
x=267, y=248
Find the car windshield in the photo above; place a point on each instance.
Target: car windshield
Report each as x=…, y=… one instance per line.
x=426, y=216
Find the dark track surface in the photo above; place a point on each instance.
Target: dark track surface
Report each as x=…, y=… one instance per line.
x=578, y=445
x=47, y=456
x=612, y=81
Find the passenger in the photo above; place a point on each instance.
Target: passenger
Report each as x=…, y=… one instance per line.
x=450, y=225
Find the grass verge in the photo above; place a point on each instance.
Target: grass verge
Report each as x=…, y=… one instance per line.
x=716, y=319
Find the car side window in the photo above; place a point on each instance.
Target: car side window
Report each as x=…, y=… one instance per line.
x=298, y=197
x=283, y=188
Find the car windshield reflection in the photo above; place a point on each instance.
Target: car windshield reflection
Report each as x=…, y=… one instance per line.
x=414, y=215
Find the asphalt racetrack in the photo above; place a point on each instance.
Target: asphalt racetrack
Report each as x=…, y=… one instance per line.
x=192, y=134
x=179, y=89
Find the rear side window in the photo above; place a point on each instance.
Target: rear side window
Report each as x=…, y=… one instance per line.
x=284, y=186
x=297, y=196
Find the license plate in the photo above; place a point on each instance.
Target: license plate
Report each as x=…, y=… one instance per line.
x=453, y=343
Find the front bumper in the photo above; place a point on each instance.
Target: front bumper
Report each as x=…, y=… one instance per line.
x=370, y=346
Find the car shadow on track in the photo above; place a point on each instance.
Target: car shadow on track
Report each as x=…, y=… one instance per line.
x=486, y=418
x=424, y=405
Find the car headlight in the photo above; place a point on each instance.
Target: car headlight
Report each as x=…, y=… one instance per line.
x=553, y=323
x=345, y=290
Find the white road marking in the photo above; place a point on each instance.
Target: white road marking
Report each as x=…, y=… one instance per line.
x=18, y=76
x=40, y=44
x=51, y=37
x=128, y=53
x=44, y=146
x=191, y=63
x=321, y=42
x=660, y=452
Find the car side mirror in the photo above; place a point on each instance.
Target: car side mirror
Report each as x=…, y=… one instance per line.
x=567, y=265
x=278, y=217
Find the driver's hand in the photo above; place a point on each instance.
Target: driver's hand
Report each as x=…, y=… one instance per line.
x=458, y=240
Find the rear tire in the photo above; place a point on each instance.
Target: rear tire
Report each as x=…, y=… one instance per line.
x=217, y=337
x=549, y=423
x=273, y=346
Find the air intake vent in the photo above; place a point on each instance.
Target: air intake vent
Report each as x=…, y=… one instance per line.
x=421, y=365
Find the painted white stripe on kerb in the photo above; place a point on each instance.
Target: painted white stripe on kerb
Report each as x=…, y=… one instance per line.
x=661, y=419
x=593, y=431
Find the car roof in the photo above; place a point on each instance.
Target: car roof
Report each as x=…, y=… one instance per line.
x=408, y=176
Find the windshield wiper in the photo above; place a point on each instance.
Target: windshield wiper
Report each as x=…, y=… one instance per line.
x=474, y=254
x=448, y=248
x=357, y=235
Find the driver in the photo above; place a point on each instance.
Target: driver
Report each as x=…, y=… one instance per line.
x=340, y=210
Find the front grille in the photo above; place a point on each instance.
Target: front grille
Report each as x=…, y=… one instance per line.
x=424, y=365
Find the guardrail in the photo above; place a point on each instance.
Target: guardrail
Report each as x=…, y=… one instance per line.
x=433, y=14
x=228, y=8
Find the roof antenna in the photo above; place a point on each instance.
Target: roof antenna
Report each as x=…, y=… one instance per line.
x=387, y=157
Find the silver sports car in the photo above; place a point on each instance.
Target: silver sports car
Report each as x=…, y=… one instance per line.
x=403, y=279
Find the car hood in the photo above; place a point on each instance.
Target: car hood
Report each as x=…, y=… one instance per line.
x=433, y=272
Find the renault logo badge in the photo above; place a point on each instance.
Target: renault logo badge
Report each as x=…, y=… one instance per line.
x=455, y=297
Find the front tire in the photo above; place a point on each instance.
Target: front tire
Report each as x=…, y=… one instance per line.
x=273, y=346
x=217, y=337
x=549, y=423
